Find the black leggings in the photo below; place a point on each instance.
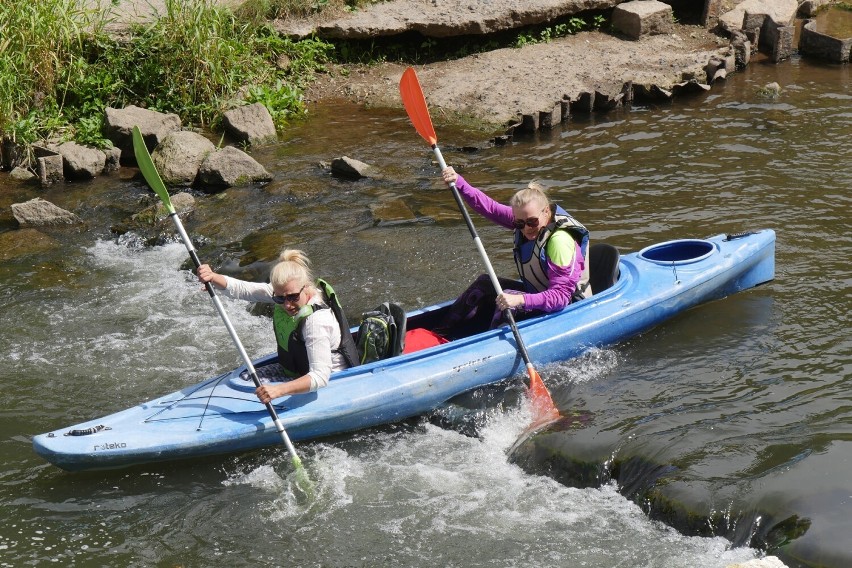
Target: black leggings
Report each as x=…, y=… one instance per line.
x=476, y=311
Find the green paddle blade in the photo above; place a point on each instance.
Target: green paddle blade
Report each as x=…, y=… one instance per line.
x=149, y=171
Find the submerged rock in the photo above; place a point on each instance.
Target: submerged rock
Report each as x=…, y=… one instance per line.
x=38, y=212
x=24, y=242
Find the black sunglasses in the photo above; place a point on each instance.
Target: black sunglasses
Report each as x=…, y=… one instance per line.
x=292, y=298
x=532, y=222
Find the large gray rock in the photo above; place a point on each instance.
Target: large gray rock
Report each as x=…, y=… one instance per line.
x=643, y=17
x=23, y=174
x=50, y=169
x=113, y=159
x=119, y=123
x=180, y=155
x=152, y=225
x=230, y=167
x=81, y=162
x=442, y=18
x=745, y=14
x=39, y=213
x=251, y=124
x=151, y=216
x=816, y=43
x=351, y=168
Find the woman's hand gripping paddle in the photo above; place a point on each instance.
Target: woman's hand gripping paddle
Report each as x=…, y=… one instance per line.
x=544, y=411
x=152, y=176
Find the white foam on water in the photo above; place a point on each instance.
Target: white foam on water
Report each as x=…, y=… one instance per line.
x=428, y=494
x=143, y=320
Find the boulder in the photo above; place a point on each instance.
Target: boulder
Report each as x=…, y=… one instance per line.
x=440, y=18
x=39, y=213
x=643, y=17
x=350, y=168
x=81, y=162
x=750, y=13
x=184, y=204
x=113, y=159
x=49, y=169
x=180, y=155
x=12, y=154
x=250, y=124
x=230, y=167
x=119, y=123
x=152, y=225
x=23, y=174
x=25, y=242
x=816, y=43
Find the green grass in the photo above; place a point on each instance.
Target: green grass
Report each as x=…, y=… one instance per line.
x=59, y=70
x=287, y=9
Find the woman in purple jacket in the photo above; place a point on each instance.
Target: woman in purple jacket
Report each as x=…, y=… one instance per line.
x=550, y=249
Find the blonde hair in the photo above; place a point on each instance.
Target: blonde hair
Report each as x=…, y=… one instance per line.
x=292, y=265
x=533, y=192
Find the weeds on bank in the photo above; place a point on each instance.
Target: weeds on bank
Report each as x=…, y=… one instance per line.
x=285, y=9
x=547, y=34
x=59, y=69
x=418, y=49
x=41, y=47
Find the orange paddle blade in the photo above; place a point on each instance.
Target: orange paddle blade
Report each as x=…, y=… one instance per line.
x=415, y=105
x=544, y=410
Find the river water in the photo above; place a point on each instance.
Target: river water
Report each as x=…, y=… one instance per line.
x=746, y=397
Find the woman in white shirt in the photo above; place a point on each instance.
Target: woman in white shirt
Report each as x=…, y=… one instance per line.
x=310, y=343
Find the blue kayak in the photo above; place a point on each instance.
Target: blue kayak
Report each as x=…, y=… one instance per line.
x=222, y=415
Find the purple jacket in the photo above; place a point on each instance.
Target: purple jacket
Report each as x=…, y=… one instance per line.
x=563, y=279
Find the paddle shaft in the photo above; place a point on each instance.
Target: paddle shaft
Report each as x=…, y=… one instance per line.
x=152, y=176
x=233, y=333
x=418, y=112
x=507, y=313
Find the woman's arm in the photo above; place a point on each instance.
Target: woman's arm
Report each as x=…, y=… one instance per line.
x=320, y=332
x=492, y=210
x=235, y=288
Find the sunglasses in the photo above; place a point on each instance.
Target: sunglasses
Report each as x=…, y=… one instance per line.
x=532, y=222
x=292, y=298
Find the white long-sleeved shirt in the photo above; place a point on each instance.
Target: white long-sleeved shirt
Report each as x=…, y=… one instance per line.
x=321, y=331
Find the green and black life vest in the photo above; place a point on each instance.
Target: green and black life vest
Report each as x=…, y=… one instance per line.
x=292, y=352
x=531, y=256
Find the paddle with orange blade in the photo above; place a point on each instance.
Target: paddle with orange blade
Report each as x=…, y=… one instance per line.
x=544, y=411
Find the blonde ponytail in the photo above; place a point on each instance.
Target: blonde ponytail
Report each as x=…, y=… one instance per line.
x=292, y=265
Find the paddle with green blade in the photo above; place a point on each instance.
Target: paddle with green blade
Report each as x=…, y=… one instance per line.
x=544, y=411
x=152, y=176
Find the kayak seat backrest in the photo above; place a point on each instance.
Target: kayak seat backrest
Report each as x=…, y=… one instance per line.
x=603, y=266
x=398, y=344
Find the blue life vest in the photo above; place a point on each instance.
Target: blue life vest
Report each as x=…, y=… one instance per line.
x=531, y=256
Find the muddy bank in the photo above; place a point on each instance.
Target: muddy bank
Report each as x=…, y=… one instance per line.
x=500, y=86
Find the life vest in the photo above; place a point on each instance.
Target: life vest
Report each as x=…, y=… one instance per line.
x=292, y=352
x=531, y=256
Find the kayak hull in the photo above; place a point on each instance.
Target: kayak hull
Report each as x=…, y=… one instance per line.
x=222, y=415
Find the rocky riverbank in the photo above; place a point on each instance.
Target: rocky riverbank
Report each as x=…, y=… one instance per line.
x=533, y=85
